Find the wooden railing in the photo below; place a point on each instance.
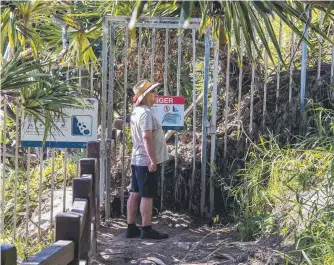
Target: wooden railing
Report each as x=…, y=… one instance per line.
x=75, y=231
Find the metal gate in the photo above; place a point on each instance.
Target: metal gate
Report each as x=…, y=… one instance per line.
x=113, y=26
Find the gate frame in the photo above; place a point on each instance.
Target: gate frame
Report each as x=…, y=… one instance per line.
x=109, y=24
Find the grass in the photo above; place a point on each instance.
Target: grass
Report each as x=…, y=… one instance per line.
x=289, y=191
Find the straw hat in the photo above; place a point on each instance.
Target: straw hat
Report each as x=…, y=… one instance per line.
x=141, y=89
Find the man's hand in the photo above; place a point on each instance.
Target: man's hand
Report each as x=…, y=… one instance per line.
x=152, y=167
x=148, y=144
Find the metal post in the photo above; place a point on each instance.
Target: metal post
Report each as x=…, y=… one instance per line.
x=52, y=186
x=3, y=168
x=303, y=71
x=103, y=110
x=226, y=98
x=28, y=192
x=65, y=179
x=278, y=74
x=292, y=50
x=165, y=93
x=124, y=114
x=153, y=55
x=179, y=47
x=68, y=76
x=78, y=165
x=214, y=118
x=194, y=121
x=179, y=50
x=252, y=97
x=240, y=81
x=139, y=53
x=91, y=79
x=40, y=191
x=320, y=50
x=110, y=119
x=80, y=83
x=205, y=120
x=166, y=63
x=16, y=166
x=265, y=88
x=332, y=64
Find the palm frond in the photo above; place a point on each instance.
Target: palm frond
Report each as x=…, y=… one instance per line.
x=253, y=18
x=16, y=75
x=46, y=100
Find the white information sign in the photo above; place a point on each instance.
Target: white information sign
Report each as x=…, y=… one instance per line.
x=77, y=127
x=170, y=112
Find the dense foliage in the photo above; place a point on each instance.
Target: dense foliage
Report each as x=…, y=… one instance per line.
x=281, y=189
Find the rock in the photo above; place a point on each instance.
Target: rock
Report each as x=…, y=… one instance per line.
x=156, y=260
x=210, y=262
x=150, y=261
x=146, y=262
x=242, y=257
x=46, y=211
x=183, y=245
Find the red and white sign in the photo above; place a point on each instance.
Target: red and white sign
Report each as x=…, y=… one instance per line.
x=170, y=112
x=170, y=100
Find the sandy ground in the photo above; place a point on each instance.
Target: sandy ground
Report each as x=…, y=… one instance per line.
x=188, y=243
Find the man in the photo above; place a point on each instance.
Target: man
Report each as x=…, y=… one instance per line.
x=148, y=152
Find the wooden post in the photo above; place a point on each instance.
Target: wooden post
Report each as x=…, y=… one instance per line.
x=88, y=167
x=61, y=252
x=82, y=188
x=8, y=255
x=94, y=152
x=68, y=228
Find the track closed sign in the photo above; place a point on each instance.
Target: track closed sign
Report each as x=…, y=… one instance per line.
x=170, y=112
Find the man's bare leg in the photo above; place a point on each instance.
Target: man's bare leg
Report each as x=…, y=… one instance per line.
x=146, y=206
x=132, y=207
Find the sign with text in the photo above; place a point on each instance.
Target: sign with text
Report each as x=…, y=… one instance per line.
x=170, y=112
x=77, y=127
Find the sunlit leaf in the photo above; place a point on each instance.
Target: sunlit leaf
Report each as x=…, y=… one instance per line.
x=187, y=8
x=138, y=10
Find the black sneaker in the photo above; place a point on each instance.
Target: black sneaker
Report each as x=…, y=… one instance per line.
x=131, y=233
x=153, y=234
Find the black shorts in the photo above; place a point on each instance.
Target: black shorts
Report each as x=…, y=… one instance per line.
x=144, y=181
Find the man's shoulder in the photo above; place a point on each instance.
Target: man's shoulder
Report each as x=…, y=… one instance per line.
x=140, y=110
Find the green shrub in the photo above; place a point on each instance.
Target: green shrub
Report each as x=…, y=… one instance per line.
x=289, y=190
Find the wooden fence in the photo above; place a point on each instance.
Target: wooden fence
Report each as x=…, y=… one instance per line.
x=75, y=231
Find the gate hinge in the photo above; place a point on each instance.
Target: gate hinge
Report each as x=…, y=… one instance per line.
x=211, y=129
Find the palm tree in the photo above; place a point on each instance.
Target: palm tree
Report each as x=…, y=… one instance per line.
x=58, y=30
x=249, y=18
x=26, y=55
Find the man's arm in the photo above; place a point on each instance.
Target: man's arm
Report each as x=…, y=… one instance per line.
x=149, y=147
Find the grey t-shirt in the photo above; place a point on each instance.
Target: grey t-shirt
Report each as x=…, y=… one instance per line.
x=143, y=119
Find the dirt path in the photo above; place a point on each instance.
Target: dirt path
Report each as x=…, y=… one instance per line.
x=187, y=244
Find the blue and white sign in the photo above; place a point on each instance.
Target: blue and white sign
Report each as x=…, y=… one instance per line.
x=77, y=127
